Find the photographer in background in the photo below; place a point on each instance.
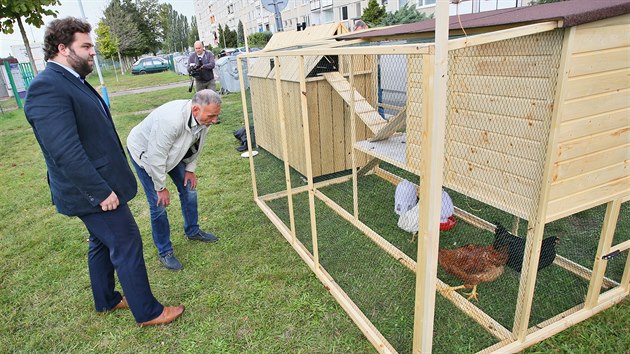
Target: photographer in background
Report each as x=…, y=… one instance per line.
x=200, y=66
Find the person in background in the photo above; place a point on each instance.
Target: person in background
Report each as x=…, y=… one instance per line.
x=359, y=25
x=201, y=66
x=168, y=142
x=88, y=173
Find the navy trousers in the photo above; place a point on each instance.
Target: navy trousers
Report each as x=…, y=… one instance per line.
x=115, y=244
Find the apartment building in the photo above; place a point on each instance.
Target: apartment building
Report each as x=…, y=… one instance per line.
x=255, y=18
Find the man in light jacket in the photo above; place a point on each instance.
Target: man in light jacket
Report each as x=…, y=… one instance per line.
x=168, y=142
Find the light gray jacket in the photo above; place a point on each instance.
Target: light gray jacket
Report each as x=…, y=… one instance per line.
x=162, y=139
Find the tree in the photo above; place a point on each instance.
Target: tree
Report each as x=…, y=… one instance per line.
x=32, y=11
x=184, y=32
x=259, y=39
x=167, y=22
x=230, y=37
x=194, y=31
x=221, y=34
x=407, y=14
x=123, y=29
x=240, y=34
x=107, y=45
x=373, y=13
x=147, y=17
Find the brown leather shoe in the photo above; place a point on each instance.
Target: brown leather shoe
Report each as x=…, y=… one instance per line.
x=119, y=306
x=169, y=315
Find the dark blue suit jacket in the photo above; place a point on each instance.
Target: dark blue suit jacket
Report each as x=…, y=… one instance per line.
x=75, y=131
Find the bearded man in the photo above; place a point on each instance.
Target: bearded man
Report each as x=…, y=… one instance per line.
x=88, y=173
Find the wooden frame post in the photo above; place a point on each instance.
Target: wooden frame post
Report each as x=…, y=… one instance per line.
x=536, y=225
x=285, y=146
x=353, y=141
x=605, y=241
x=239, y=63
x=431, y=176
x=309, y=164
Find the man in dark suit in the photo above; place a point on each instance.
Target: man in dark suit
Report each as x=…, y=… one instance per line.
x=88, y=173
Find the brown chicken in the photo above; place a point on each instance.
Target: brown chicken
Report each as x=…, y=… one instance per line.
x=473, y=264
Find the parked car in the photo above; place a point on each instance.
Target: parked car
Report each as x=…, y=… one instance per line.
x=149, y=65
x=242, y=50
x=226, y=51
x=235, y=51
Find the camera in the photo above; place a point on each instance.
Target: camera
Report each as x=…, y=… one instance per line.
x=194, y=71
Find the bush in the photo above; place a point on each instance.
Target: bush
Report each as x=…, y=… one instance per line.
x=407, y=14
x=259, y=39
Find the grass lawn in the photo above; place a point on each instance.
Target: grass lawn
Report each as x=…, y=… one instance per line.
x=248, y=293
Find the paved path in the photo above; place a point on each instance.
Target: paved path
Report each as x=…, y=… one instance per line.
x=132, y=91
x=149, y=88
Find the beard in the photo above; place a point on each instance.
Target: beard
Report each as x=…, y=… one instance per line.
x=82, y=66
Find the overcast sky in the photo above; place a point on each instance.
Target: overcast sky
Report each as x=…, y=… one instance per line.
x=93, y=10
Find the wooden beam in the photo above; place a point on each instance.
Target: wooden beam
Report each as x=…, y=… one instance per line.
x=358, y=104
x=605, y=241
x=393, y=124
x=353, y=140
x=501, y=35
x=388, y=176
x=559, y=323
x=239, y=62
x=581, y=271
x=435, y=76
x=536, y=225
x=322, y=184
x=620, y=247
x=373, y=163
x=415, y=48
x=285, y=146
x=309, y=162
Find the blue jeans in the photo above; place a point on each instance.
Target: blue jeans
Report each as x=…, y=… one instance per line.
x=160, y=227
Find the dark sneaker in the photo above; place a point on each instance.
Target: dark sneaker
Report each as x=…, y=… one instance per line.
x=170, y=262
x=204, y=236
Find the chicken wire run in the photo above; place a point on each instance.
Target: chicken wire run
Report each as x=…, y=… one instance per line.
x=340, y=126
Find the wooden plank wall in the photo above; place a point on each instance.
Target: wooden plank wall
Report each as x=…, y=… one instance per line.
x=500, y=99
x=593, y=145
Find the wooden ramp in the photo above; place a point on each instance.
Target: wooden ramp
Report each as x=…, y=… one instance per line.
x=368, y=114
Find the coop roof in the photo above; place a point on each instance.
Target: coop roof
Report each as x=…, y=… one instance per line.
x=569, y=13
x=265, y=67
x=295, y=38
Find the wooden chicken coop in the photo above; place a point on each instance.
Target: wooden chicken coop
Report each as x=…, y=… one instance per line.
x=329, y=117
x=521, y=114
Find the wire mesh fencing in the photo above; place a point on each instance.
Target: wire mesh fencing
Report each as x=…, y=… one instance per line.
x=342, y=146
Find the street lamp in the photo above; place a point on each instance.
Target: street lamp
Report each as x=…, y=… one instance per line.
x=98, y=68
